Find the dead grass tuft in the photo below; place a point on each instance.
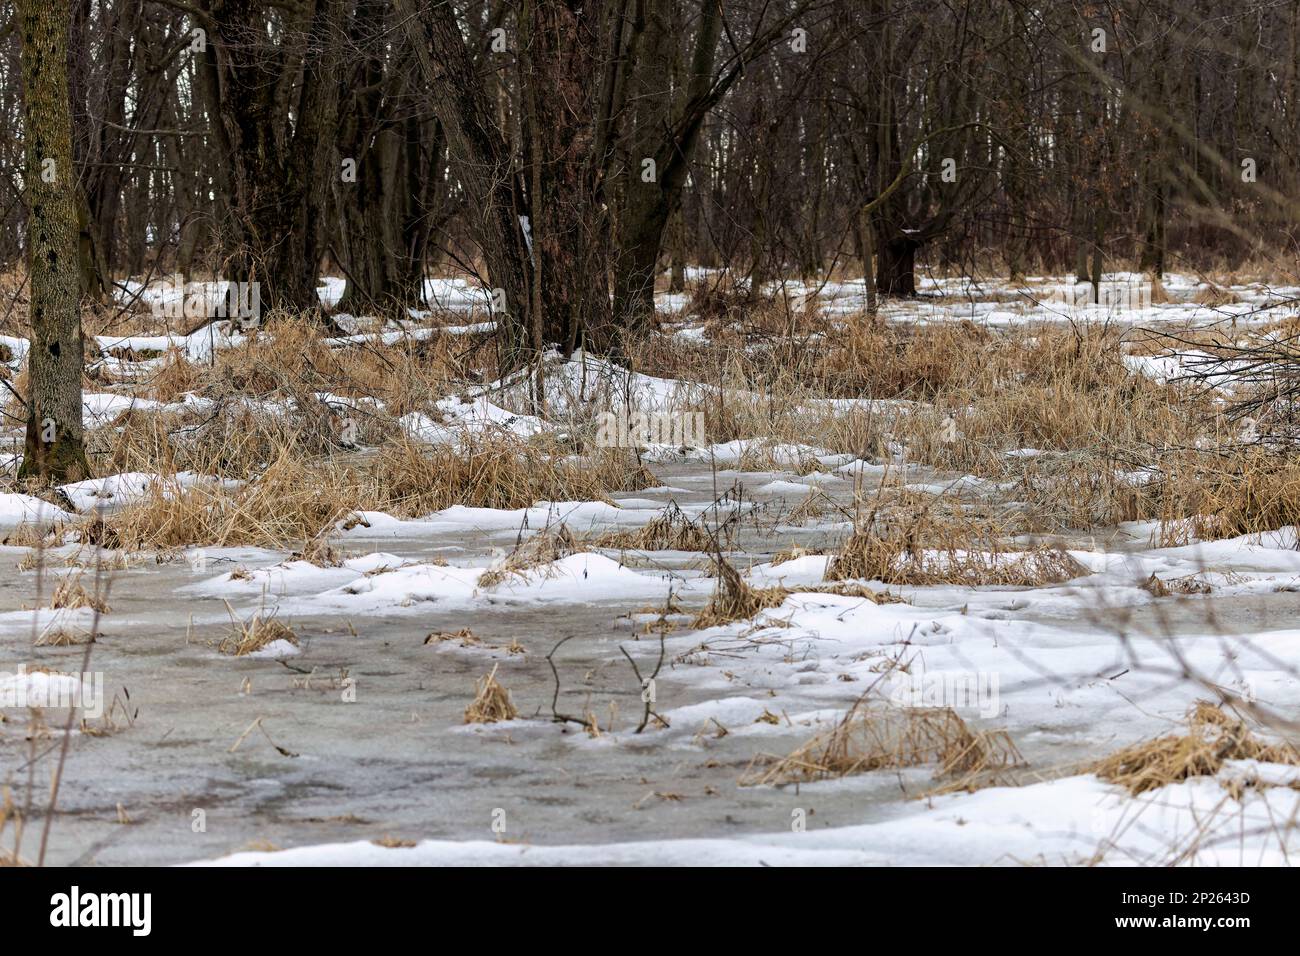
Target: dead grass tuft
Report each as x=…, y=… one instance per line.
x=319, y=552
x=491, y=702
x=9, y=812
x=537, y=551
x=919, y=545
x=1213, y=737
x=63, y=637
x=72, y=594
x=37, y=536
x=174, y=377
x=882, y=737
x=1184, y=584
x=669, y=531
x=464, y=636
x=735, y=600
x=1215, y=498
x=254, y=634
x=1214, y=296
x=291, y=501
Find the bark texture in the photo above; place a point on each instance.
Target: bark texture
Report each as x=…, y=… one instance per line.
x=54, y=450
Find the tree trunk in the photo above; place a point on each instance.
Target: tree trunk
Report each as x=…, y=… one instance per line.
x=867, y=253
x=1099, y=236
x=480, y=157
x=54, y=450
x=559, y=48
x=677, y=253
x=895, y=266
x=280, y=158
x=1153, y=245
x=389, y=217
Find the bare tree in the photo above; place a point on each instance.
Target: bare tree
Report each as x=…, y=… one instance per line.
x=54, y=450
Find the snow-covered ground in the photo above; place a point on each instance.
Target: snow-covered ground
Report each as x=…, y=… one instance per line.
x=1072, y=670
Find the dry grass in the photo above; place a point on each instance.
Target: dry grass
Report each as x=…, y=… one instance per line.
x=917, y=542
x=1213, y=737
x=766, y=377
x=532, y=553
x=1248, y=493
x=493, y=471
x=174, y=378
x=960, y=397
x=670, y=531
x=1214, y=296
x=35, y=536
x=63, y=637
x=882, y=737
x=465, y=637
x=254, y=634
x=491, y=702
x=319, y=552
x=735, y=600
x=71, y=593
x=299, y=499
x=1183, y=584
x=10, y=812
x=289, y=502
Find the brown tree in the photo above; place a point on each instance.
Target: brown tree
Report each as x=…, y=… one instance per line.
x=54, y=450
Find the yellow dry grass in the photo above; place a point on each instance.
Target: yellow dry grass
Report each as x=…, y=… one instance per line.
x=532, y=553
x=670, y=531
x=916, y=541
x=491, y=701
x=873, y=736
x=63, y=637
x=72, y=594
x=254, y=634
x=1213, y=737
x=735, y=600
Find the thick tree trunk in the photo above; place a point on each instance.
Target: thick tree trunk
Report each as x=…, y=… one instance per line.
x=664, y=128
x=634, y=282
x=280, y=160
x=389, y=217
x=896, y=266
x=397, y=168
x=560, y=48
x=864, y=235
x=481, y=159
x=54, y=450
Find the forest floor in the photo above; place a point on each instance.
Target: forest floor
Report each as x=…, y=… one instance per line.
x=992, y=578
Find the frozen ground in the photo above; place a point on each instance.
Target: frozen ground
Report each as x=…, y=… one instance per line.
x=351, y=748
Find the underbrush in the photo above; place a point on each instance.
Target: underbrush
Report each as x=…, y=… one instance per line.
x=922, y=540
x=874, y=736
x=1048, y=413
x=296, y=499
x=1213, y=738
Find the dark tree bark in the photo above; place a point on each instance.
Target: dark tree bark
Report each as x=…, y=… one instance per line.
x=54, y=451
x=896, y=267
x=666, y=127
x=481, y=158
x=393, y=213
x=561, y=44
x=277, y=137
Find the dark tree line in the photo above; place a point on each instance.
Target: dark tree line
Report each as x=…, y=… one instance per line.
x=563, y=152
